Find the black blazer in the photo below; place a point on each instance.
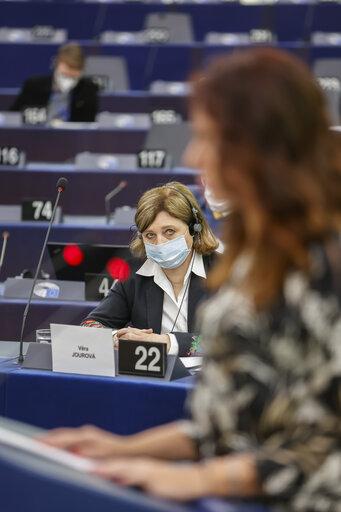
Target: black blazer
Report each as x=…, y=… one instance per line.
x=139, y=301
x=36, y=92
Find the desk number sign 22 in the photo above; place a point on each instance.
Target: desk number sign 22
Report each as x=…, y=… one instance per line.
x=142, y=358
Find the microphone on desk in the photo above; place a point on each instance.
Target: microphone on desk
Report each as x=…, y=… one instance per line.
x=109, y=196
x=5, y=236
x=61, y=186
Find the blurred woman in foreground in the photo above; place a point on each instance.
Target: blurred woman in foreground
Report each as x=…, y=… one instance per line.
x=266, y=413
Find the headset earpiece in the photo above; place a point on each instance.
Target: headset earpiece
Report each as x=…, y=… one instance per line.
x=139, y=235
x=195, y=227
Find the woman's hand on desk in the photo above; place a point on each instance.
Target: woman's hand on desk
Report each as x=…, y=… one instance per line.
x=233, y=476
x=131, y=333
x=162, y=479
x=88, y=441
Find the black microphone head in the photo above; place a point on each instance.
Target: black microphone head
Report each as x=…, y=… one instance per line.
x=62, y=183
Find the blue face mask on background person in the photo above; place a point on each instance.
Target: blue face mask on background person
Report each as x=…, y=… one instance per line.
x=169, y=254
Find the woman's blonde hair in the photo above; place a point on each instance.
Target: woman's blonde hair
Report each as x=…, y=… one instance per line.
x=165, y=198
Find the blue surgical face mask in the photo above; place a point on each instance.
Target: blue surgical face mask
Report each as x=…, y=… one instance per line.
x=170, y=254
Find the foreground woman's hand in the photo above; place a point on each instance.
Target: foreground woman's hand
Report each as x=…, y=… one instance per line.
x=88, y=441
x=162, y=479
x=233, y=476
x=165, y=442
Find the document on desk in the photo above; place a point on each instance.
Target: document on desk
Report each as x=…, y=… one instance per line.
x=82, y=350
x=192, y=363
x=29, y=445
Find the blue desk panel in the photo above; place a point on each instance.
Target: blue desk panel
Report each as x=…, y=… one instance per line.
x=146, y=63
x=94, y=18
x=121, y=102
x=41, y=315
x=47, y=486
x=122, y=405
x=44, y=144
x=298, y=49
x=6, y=367
x=86, y=189
x=288, y=21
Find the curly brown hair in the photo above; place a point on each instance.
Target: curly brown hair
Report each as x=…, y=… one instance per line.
x=279, y=164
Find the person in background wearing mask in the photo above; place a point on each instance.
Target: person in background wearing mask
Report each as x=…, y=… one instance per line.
x=219, y=206
x=161, y=298
x=65, y=94
x=216, y=211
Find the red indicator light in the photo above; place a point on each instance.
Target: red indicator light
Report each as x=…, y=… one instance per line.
x=73, y=255
x=118, y=269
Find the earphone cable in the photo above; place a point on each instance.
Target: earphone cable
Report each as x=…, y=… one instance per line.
x=184, y=295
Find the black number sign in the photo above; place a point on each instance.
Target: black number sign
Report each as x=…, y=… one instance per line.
x=97, y=286
x=142, y=358
x=157, y=35
x=34, y=115
x=164, y=116
x=10, y=155
x=36, y=209
x=151, y=158
x=43, y=31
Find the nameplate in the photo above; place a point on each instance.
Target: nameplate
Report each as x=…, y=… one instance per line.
x=43, y=31
x=142, y=358
x=34, y=115
x=164, y=116
x=11, y=155
x=102, y=81
x=329, y=83
x=37, y=209
x=82, y=350
x=156, y=35
x=151, y=158
x=97, y=286
x=261, y=36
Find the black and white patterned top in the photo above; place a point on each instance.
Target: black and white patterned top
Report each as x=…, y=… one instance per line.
x=271, y=386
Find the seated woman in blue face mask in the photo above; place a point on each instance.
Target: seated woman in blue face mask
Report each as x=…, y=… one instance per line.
x=160, y=299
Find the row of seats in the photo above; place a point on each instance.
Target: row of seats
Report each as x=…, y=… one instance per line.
x=111, y=74
x=289, y=21
x=136, y=67
x=170, y=29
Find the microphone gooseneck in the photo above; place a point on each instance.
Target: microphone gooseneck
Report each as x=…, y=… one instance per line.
x=5, y=236
x=110, y=195
x=61, y=186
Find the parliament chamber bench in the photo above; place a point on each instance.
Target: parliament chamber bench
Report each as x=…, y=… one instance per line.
x=146, y=62
x=288, y=20
x=86, y=188
x=134, y=102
